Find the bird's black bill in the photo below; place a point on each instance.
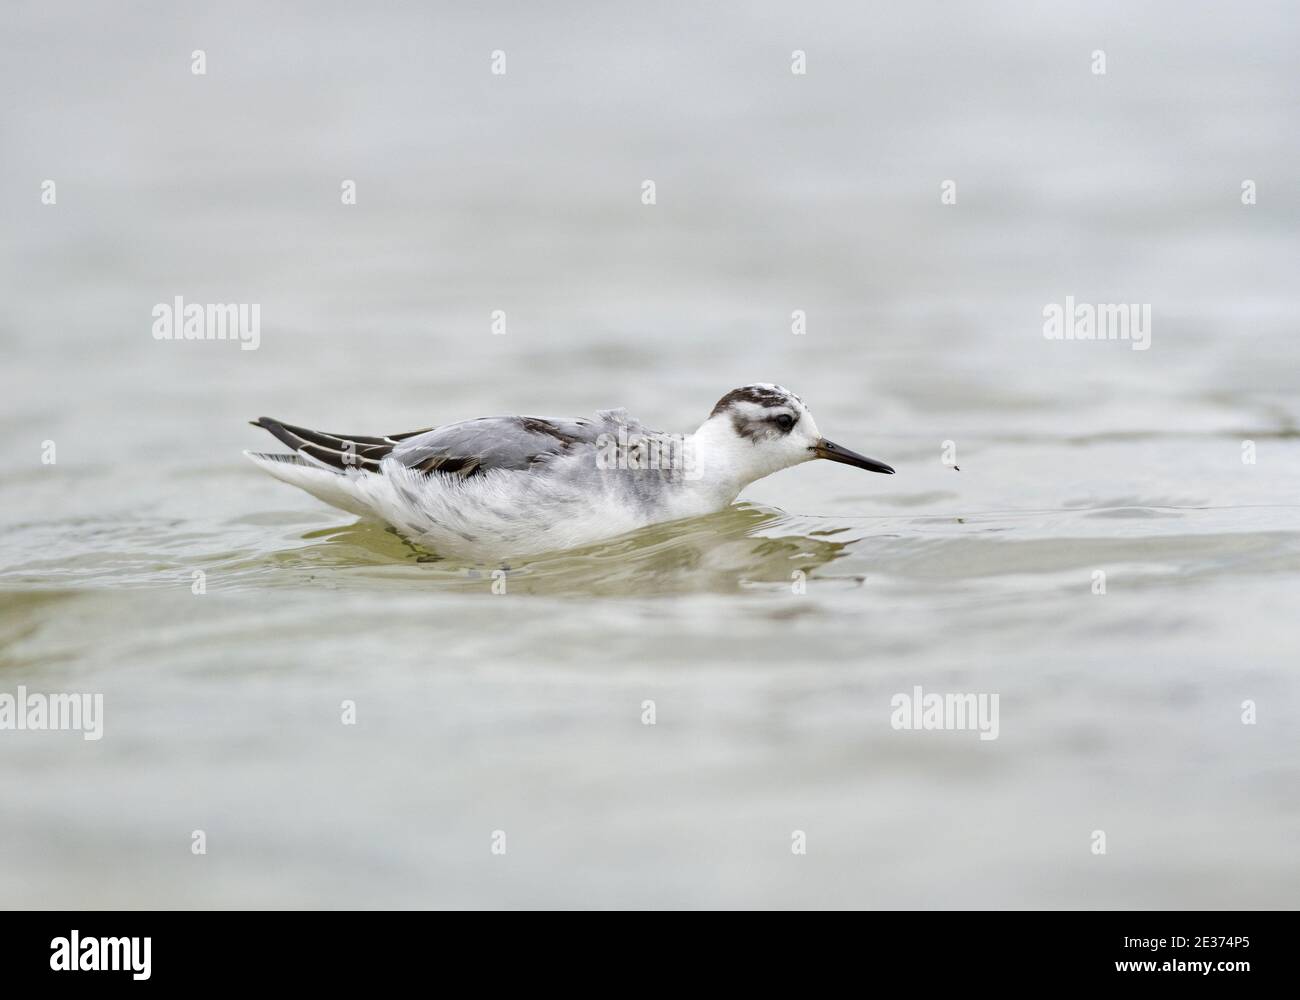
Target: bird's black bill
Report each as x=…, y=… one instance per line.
x=830, y=450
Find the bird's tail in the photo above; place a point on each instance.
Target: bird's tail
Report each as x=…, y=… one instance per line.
x=340, y=452
x=328, y=466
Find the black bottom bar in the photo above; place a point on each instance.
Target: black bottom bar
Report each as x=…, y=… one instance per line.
x=139, y=949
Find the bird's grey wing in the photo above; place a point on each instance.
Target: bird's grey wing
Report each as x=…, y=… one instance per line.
x=323, y=449
x=519, y=443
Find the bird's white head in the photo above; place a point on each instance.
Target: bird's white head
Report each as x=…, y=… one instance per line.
x=760, y=429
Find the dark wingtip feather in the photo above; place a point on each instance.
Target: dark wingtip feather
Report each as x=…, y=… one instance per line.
x=343, y=452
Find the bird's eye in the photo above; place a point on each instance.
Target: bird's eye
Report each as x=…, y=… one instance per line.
x=785, y=421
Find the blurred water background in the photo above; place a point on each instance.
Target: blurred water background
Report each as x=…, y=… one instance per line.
x=775, y=192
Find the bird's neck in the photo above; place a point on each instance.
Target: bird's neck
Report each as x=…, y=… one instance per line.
x=722, y=463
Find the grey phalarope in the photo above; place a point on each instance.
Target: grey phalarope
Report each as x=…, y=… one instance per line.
x=522, y=485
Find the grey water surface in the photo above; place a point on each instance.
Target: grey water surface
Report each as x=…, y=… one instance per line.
x=771, y=637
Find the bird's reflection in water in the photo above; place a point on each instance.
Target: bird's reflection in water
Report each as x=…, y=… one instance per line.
x=745, y=546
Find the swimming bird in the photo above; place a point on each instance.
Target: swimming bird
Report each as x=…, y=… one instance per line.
x=519, y=485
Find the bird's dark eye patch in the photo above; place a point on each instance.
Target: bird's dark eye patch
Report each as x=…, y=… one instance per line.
x=784, y=421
